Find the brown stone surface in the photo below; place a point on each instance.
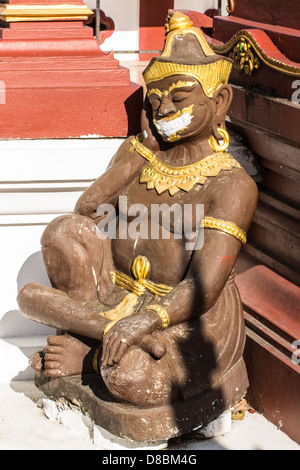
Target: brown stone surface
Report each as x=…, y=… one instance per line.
x=147, y=424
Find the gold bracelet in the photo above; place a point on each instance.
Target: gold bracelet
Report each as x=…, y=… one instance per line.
x=95, y=360
x=162, y=313
x=108, y=327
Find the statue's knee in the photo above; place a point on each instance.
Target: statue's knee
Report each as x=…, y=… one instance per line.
x=55, y=229
x=27, y=295
x=140, y=380
x=72, y=226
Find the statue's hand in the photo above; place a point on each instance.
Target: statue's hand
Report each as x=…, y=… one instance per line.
x=148, y=131
x=126, y=332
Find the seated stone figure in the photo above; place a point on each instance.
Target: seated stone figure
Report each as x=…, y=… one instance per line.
x=157, y=318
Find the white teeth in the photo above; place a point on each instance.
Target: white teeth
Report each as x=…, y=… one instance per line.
x=168, y=128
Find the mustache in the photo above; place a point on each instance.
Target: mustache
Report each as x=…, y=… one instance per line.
x=169, y=126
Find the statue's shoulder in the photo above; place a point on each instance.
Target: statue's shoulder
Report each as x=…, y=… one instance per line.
x=244, y=182
x=238, y=181
x=235, y=195
x=123, y=150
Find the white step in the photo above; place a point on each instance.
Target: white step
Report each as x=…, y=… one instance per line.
x=14, y=356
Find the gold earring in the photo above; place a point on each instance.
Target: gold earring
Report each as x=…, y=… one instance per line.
x=215, y=144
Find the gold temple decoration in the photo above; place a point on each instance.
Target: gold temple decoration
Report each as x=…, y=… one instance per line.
x=162, y=177
x=228, y=227
x=230, y=7
x=38, y=12
x=107, y=328
x=215, y=144
x=276, y=61
x=181, y=24
x=176, y=21
x=137, y=287
x=243, y=58
x=96, y=359
x=210, y=75
x=162, y=313
x=178, y=84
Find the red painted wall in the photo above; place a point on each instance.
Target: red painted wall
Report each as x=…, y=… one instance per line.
x=152, y=19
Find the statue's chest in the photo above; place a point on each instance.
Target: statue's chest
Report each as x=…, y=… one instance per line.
x=139, y=193
x=183, y=207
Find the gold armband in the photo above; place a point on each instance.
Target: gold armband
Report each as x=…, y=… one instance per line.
x=228, y=227
x=162, y=313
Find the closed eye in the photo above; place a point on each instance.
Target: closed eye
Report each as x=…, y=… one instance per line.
x=180, y=96
x=155, y=102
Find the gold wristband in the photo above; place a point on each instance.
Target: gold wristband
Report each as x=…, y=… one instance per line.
x=108, y=327
x=162, y=313
x=95, y=360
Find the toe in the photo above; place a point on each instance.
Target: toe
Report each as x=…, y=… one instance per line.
x=53, y=369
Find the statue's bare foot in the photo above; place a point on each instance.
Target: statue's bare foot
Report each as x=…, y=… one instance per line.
x=66, y=355
x=37, y=360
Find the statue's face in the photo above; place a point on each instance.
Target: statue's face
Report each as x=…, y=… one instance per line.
x=180, y=108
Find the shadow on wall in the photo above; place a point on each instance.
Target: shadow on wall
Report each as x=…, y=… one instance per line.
x=13, y=323
x=26, y=335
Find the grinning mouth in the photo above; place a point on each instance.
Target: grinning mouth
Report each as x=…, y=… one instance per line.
x=170, y=127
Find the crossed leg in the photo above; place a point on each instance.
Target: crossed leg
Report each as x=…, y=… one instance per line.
x=74, y=257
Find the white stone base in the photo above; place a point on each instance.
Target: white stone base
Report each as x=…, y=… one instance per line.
x=73, y=418
x=218, y=427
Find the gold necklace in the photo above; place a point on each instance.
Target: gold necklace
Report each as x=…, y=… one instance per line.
x=162, y=177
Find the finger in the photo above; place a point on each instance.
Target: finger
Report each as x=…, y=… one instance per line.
x=120, y=352
x=112, y=350
x=107, y=342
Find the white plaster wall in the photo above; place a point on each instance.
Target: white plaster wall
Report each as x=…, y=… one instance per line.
x=196, y=5
x=40, y=180
x=125, y=15
x=200, y=5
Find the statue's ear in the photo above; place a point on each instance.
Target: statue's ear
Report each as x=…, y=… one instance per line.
x=221, y=101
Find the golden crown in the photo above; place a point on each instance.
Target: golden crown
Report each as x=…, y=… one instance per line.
x=210, y=74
